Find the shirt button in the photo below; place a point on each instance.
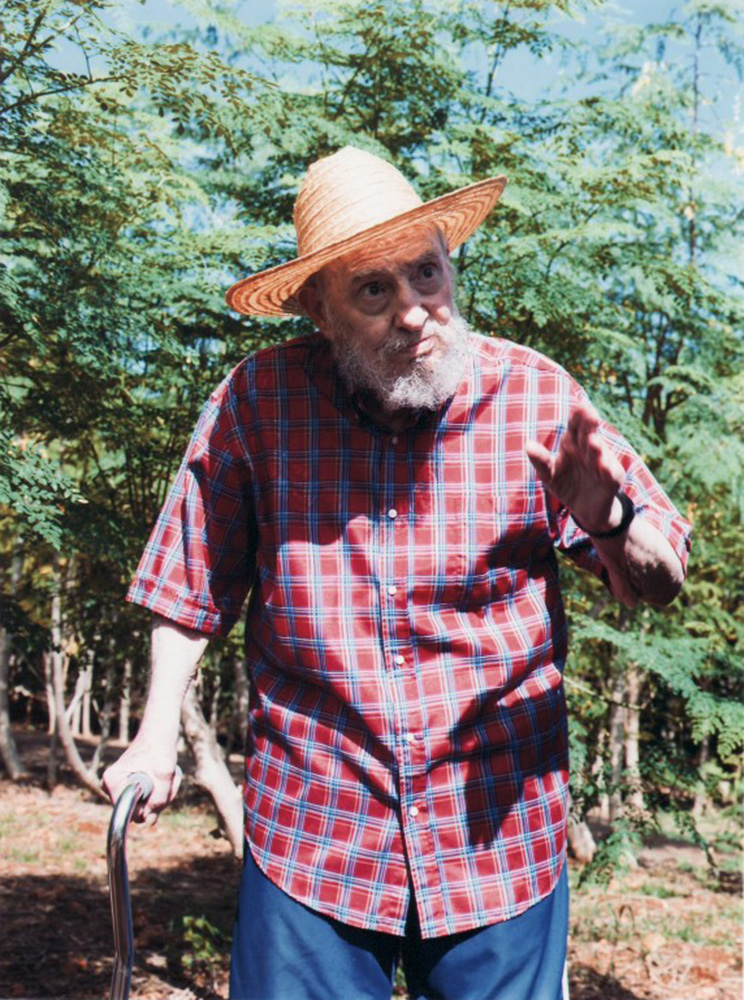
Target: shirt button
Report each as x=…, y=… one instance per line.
x=392, y=513
x=393, y=590
x=400, y=660
x=413, y=811
x=394, y=439
x=410, y=737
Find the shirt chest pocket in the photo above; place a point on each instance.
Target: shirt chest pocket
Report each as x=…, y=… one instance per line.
x=480, y=540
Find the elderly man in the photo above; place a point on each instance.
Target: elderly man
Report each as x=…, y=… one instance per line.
x=391, y=492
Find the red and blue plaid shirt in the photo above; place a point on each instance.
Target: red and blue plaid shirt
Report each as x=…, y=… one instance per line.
x=405, y=632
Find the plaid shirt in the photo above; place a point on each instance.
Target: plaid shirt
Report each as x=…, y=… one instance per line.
x=405, y=633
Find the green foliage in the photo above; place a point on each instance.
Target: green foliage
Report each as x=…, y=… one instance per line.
x=103, y=271
x=205, y=942
x=678, y=662
x=616, y=853
x=33, y=487
x=204, y=947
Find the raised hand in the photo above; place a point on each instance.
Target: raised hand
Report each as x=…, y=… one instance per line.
x=584, y=474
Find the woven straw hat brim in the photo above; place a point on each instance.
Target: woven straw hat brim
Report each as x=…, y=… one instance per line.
x=458, y=214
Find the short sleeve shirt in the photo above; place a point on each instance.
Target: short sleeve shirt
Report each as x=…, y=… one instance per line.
x=405, y=635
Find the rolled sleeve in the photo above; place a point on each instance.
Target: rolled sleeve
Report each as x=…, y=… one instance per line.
x=198, y=564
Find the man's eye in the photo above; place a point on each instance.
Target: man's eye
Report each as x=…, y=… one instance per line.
x=374, y=289
x=428, y=271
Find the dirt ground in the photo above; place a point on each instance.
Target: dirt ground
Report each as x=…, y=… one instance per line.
x=664, y=930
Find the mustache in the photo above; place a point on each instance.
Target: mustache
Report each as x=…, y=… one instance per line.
x=403, y=340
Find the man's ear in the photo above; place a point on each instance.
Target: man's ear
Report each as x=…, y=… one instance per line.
x=311, y=301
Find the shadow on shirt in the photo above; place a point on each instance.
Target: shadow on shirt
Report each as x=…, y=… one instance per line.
x=510, y=761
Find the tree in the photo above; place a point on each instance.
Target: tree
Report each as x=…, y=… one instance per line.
x=102, y=274
x=672, y=351
x=614, y=250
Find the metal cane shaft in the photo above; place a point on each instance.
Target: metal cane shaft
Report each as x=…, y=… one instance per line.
x=139, y=788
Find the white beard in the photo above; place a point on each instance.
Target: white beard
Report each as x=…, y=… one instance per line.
x=424, y=386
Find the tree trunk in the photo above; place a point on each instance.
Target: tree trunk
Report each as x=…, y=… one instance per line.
x=600, y=777
x=104, y=718
x=52, y=762
x=214, y=708
x=8, y=749
x=84, y=775
x=125, y=702
x=74, y=708
x=52, y=725
x=49, y=692
x=616, y=736
x=239, y=723
x=72, y=711
x=580, y=840
x=212, y=773
x=87, y=694
x=634, y=798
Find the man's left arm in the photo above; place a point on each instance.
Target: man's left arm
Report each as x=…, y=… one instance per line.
x=586, y=477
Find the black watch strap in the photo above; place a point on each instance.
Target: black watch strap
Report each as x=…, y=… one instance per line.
x=629, y=513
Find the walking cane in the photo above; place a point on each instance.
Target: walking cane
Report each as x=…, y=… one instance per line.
x=137, y=790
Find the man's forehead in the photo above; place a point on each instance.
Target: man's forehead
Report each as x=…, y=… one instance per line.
x=391, y=253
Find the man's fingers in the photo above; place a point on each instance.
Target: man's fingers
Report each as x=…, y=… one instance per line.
x=582, y=427
x=584, y=474
x=584, y=416
x=594, y=450
x=164, y=791
x=542, y=460
x=175, y=783
x=166, y=782
x=148, y=811
x=590, y=446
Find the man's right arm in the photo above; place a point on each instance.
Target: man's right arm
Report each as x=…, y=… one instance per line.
x=176, y=652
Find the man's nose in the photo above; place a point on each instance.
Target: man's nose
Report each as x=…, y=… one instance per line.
x=411, y=313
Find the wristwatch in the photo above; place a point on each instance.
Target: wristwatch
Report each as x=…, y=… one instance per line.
x=629, y=513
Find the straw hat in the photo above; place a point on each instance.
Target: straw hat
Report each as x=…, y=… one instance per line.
x=348, y=200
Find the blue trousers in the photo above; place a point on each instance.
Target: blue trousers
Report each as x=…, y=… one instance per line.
x=282, y=950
